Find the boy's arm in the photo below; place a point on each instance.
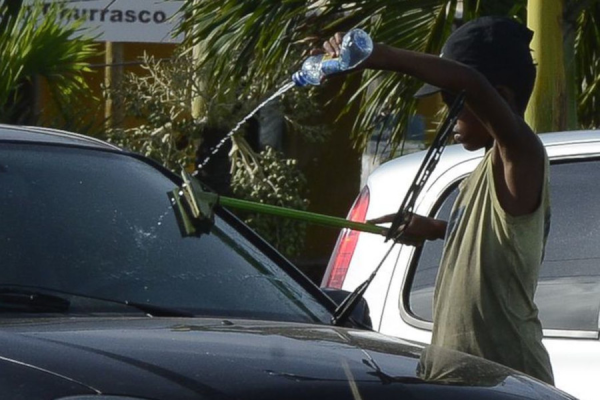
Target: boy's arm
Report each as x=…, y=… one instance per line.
x=518, y=153
x=418, y=230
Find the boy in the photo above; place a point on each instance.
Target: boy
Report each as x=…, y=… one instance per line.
x=494, y=241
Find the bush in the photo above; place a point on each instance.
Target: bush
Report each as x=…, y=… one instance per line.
x=165, y=130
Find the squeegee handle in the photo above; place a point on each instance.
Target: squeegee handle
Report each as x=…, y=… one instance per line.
x=320, y=219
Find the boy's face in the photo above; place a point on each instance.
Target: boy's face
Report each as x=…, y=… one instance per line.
x=469, y=131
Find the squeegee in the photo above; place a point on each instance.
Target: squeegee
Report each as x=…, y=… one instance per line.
x=195, y=205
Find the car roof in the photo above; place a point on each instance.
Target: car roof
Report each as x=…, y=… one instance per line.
x=456, y=153
x=392, y=179
x=555, y=138
x=36, y=134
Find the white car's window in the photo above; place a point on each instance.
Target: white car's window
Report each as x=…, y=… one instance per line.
x=568, y=293
x=427, y=261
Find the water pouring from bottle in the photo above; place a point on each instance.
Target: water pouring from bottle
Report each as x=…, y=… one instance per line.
x=287, y=86
x=356, y=47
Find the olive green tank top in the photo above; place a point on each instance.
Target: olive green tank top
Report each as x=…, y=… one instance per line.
x=483, y=301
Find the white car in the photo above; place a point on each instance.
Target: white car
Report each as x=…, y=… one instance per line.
x=568, y=294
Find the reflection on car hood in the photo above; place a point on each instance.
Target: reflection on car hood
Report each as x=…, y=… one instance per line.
x=168, y=358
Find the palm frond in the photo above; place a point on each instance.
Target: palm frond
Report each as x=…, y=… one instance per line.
x=252, y=41
x=386, y=99
x=35, y=43
x=259, y=43
x=587, y=45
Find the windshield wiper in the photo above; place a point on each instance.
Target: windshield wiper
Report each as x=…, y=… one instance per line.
x=36, y=299
x=29, y=301
x=404, y=214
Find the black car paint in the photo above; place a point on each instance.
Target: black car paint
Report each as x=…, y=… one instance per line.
x=182, y=358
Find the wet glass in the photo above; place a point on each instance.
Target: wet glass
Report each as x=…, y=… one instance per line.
x=101, y=224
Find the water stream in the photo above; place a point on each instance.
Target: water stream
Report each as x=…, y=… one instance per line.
x=284, y=88
x=215, y=149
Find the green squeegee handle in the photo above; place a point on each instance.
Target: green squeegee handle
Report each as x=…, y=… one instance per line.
x=305, y=216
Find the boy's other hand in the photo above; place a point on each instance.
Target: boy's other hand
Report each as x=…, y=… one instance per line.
x=419, y=229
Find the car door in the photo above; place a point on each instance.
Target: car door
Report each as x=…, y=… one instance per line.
x=568, y=294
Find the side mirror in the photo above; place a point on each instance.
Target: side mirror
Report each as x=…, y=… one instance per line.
x=360, y=314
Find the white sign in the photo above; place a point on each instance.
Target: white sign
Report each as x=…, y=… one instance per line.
x=149, y=21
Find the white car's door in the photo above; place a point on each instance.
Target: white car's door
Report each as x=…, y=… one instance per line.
x=568, y=294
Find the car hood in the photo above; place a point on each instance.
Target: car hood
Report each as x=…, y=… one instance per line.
x=170, y=358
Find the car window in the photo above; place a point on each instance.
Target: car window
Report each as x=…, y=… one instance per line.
x=101, y=224
x=568, y=293
x=427, y=262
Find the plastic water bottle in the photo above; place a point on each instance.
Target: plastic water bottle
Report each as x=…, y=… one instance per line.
x=356, y=47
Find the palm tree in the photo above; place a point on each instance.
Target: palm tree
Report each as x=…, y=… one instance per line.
x=33, y=44
x=263, y=41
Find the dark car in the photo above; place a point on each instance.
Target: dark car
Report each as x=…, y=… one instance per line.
x=103, y=297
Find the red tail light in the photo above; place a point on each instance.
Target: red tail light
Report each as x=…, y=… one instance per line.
x=346, y=244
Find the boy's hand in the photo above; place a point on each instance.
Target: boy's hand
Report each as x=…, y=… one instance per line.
x=419, y=229
x=332, y=48
x=334, y=44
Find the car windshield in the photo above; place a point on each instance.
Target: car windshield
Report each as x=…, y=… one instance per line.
x=100, y=225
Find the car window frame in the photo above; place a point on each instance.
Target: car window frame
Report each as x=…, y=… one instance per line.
x=404, y=305
x=404, y=297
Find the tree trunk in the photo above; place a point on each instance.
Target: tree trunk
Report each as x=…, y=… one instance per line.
x=570, y=15
x=198, y=103
x=113, y=78
x=547, y=109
